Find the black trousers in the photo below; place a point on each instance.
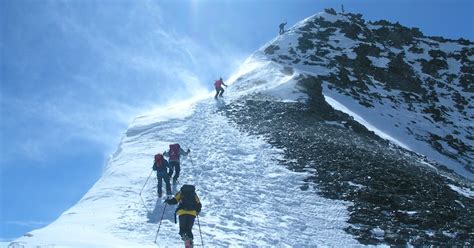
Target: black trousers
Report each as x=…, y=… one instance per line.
x=186, y=222
x=176, y=167
x=163, y=177
x=219, y=92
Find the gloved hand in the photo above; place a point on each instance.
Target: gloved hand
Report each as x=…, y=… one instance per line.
x=167, y=201
x=189, y=150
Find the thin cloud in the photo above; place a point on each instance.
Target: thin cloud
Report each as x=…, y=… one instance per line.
x=60, y=122
x=31, y=224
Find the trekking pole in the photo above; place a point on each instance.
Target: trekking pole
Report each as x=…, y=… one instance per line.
x=200, y=233
x=142, y=191
x=156, y=237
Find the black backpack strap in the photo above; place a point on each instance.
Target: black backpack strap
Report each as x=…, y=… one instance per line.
x=175, y=216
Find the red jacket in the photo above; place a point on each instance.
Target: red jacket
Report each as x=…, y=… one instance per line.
x=218, y=84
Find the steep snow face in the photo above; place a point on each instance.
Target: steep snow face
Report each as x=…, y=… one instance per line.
x=248, y=198
x=338, y=106
x=414, y=91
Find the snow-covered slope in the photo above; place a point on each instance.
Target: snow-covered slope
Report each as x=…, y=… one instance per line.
x=248, y=198
x=293, y=156
x=318, y=90
x=415, y=91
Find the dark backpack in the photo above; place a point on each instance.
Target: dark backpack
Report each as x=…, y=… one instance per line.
x=174, y=152
x=188, y=198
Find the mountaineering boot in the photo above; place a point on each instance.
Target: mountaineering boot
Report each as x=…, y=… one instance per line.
x=188, y=243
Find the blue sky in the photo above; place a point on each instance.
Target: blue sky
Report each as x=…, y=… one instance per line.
x=75, y=73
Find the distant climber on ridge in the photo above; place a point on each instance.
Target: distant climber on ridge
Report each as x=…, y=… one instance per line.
x=189, y=207
x=174, y=155
x=161, y=166
x=219, y=90
x=282, y=28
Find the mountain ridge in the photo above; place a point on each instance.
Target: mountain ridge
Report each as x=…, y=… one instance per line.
x=381, y=70
x=275, y=140
x=401, y=196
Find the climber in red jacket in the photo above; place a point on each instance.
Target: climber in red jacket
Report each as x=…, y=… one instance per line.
x=219, y=90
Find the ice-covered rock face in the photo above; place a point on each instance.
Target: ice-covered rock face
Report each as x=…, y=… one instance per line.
x=414, y=90
x=351, y=86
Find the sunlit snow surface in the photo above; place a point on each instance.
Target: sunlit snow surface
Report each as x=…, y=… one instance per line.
x=338, y=106
x=396, y=122
x=248, y=198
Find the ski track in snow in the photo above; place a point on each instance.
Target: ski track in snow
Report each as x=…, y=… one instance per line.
x=248, y=199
